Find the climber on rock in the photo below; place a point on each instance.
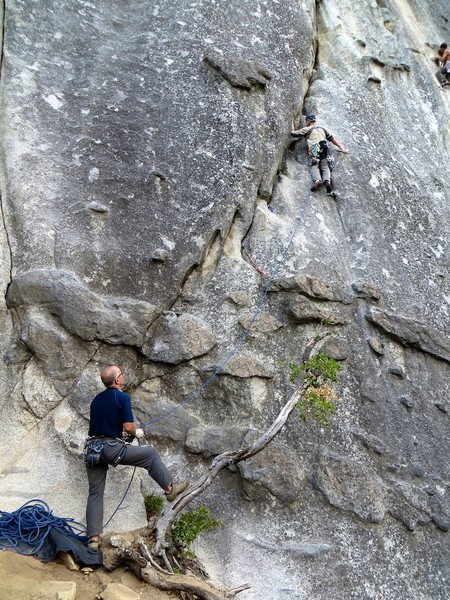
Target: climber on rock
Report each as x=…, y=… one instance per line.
x=319, y=152
x=443, y=61
x=111, y=419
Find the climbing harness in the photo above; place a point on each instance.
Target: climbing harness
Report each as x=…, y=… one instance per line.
x=321, y=150
x=93, y=449
x=121, y=453
x=25, y=530
x=92, y=452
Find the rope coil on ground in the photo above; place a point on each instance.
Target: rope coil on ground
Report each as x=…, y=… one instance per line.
x=26, y=529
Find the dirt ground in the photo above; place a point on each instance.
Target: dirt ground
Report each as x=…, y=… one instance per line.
x=26, y=578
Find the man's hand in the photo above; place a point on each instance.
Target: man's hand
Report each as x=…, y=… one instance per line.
x=127, y=437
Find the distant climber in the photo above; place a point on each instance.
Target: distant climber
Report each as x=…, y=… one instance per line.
x=111, y=418
x=320, y=156
x=443, y=61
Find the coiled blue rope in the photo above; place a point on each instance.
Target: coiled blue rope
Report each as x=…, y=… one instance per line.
x=26, y=529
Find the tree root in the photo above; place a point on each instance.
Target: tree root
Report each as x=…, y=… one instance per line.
x=153, y=574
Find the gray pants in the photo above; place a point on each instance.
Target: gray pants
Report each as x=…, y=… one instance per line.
x=320, y=171
x=443, y=73
x=137, y=456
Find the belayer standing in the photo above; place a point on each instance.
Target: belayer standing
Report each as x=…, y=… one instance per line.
x=443, y=61
x=111, y=418
x=320, y=157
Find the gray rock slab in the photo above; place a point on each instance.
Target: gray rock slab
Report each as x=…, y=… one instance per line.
x=244, y=367
x=352, y=486
x=178, y=338
x=94, y=95
x=163, y=418
x=277, y=469
x=303, y=310
x=315, y=287
x=81, y=311
x=410, y=332
x=210, y=441
x=156, y=176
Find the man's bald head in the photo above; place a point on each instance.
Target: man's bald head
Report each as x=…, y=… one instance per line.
x=109, y=375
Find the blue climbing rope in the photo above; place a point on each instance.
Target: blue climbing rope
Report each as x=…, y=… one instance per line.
x=121, y=502
x=244, y=334
x=26, y=529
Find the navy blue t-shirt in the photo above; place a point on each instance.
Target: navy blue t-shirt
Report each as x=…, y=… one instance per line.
x=109, y=411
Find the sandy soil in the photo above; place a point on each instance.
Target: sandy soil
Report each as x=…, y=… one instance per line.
x=26, y=578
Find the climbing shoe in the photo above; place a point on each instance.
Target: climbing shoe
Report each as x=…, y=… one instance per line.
x=177, y=488
x=329, y=189
x=315, y=185
x=94, y=545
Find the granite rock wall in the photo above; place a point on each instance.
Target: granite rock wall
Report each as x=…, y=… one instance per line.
x=155, y=214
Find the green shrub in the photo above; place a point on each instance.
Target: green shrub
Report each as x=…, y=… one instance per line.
x=189, y=525
x=153, y=503
x=318, y=404
x=321, y=368
x=318, y=401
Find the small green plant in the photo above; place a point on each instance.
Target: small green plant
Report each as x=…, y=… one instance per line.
x=153, y=504
x=318, y=400
x=189, y=525
x=318, y=404
x=295, y=371
x=321, y=369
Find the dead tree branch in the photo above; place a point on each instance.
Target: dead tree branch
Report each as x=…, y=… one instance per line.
x=163, y=579
x=164, y=524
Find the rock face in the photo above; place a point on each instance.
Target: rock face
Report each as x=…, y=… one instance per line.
x=156, y=215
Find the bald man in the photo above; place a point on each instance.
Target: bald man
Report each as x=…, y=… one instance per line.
x=111, y=417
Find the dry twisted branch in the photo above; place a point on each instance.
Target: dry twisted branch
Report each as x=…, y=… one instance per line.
x=164, y=524
x=203, y=590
